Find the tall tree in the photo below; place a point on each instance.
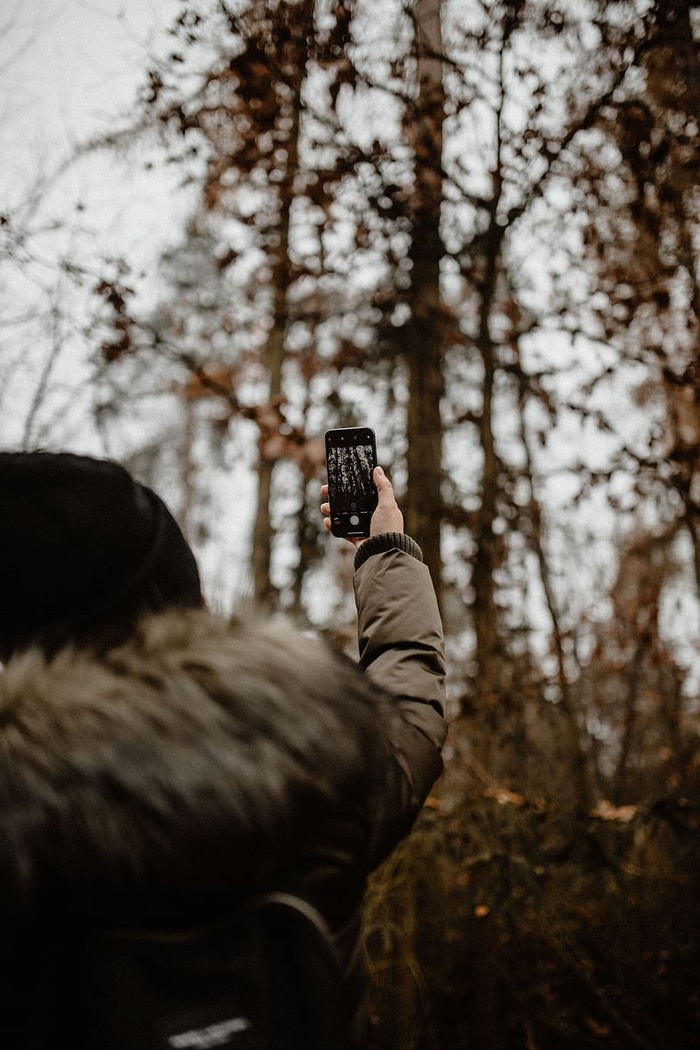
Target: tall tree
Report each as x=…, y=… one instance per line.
x=423, y=336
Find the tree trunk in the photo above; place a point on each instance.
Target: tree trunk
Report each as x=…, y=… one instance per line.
x=263, y=536
x=424, y=333
x=486, y=620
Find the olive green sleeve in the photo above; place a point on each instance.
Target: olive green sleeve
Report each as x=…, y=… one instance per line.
x=402, y=649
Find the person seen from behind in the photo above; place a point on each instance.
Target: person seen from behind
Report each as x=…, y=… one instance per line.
x=159, y=765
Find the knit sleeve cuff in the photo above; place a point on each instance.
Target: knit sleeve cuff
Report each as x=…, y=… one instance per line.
x=386, y=541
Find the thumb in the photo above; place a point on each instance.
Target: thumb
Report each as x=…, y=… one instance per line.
x=387, y=517
x=385, y=490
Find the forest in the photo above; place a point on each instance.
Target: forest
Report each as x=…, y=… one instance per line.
x=473, y=225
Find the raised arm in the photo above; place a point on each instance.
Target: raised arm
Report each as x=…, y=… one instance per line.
x=401, y=648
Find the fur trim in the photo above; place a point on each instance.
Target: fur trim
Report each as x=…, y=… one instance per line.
x=192, y=759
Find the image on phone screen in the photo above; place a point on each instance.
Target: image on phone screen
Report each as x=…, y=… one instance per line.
x=351, y=458
x=350, y=477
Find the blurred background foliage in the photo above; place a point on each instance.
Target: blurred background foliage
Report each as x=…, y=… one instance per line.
x=473, y=225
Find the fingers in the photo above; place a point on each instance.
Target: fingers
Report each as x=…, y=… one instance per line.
x=326, y=509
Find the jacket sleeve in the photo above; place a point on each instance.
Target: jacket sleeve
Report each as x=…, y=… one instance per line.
x=402, y=649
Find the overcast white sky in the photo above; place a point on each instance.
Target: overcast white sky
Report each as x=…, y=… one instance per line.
x=69, y=69
x=66, y=67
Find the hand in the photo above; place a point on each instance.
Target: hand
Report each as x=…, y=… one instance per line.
x=387, y=516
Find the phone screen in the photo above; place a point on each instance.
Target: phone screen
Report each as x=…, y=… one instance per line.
x=351, y=458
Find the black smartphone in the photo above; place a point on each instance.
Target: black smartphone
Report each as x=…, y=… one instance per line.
x=351, y=456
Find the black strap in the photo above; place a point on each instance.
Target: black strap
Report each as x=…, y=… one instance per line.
x=263, y=978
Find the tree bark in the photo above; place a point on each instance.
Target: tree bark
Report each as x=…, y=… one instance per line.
x=424, y=334
x=264, y=533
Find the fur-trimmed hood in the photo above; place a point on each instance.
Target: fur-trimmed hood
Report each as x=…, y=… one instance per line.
x=191, y=760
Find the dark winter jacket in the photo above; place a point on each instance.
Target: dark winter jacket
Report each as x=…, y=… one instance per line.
x=161, y=782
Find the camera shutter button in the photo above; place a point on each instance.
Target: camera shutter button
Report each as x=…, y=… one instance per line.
x=354, y=519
